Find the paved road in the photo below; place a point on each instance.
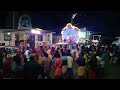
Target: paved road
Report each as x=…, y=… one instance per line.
x=112, y=71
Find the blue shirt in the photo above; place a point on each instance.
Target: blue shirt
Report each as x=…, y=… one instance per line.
x=64, y=57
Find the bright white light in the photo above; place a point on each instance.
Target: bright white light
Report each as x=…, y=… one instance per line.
x=8, y=33
x=62, y=32
x=35, y=31
x=96, y=41
x=67, y=37
x=82, y=34
x=84, y=28
x=74, y=15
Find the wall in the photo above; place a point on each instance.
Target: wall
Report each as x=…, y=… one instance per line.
x=11, y=43
x=56, y=38
x=45, y=39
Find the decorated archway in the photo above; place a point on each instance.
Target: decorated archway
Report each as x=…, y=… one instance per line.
x=70, y=34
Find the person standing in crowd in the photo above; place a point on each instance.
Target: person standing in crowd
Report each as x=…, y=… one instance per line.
x=52, y=52
x=7, y=69
x=46, y=65
x=58, y=67
x=103, y=60
x=65, y=50
x=81, y=67
x=111, y=50
x=70, y=66
x=73, y=53
x=33, y=70
x=17, y=67
x=77, y=53
x=64, y=65
x=27, y=54
x=92, y=70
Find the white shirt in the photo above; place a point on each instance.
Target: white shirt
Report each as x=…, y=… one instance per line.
x=72, y=51
x=27, y=54
x=98, y=58
x=70, y=62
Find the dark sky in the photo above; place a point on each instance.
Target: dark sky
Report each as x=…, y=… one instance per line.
x=94, y=21
x=97, y=21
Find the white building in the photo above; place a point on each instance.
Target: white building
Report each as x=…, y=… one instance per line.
x=8, y=37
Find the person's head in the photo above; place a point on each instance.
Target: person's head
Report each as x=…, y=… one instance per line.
x=94, y=55
x=78, y=49
x=45, y=54
x=81, y=55
x=57, y=55
x=56, y=52
x=69, y=54
x=28, y=48
x=61, y=50
x=58, y=48
x=41, y=47
x=72, y=47
x=63, y=54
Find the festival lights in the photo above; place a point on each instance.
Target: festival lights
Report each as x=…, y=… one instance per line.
x=35, y=31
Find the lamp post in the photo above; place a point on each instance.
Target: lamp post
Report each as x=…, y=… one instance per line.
x=73, y=16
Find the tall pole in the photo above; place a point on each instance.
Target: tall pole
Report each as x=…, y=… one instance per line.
x=13, y=20
x=73, y=16
x=12, y=36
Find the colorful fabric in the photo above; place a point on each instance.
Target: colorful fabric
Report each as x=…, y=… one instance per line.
x=64, y=69
x=81, y=71
x=58, y=67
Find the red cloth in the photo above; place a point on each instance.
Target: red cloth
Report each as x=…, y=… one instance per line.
x=91, y=74
x=58, y=67
x=66, y=52
x=7, y=70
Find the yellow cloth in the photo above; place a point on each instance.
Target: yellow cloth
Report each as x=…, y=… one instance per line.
x=85, y=57
x=22, y=37
x=40, y=61
x=81, y=71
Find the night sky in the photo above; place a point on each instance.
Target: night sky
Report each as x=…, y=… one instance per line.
x=97, y=21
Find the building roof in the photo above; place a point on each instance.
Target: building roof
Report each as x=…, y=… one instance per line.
x=18, y=30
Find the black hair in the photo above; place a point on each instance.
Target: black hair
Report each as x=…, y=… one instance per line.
x=57, y=55
x=63, y=54
x=17, y=59
x=32, y=58
x=45, y=54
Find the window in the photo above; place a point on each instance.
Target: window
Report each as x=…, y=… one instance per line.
x=7, y=36
x=40, y=38
x=48, y=37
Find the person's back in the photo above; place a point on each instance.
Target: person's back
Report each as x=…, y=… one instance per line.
x=92, y=70
x=70, y=62
x=70, y=67
x=81, y=67
x=32, y=70
x=58, y=67
x=81, y=61
x=18, y=71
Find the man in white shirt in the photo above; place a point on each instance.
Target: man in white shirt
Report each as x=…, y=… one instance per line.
x=27, y=54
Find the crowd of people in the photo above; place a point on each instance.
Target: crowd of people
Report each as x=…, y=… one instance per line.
x=78, y=62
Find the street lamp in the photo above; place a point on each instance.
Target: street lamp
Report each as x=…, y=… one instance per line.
x=74, y=15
